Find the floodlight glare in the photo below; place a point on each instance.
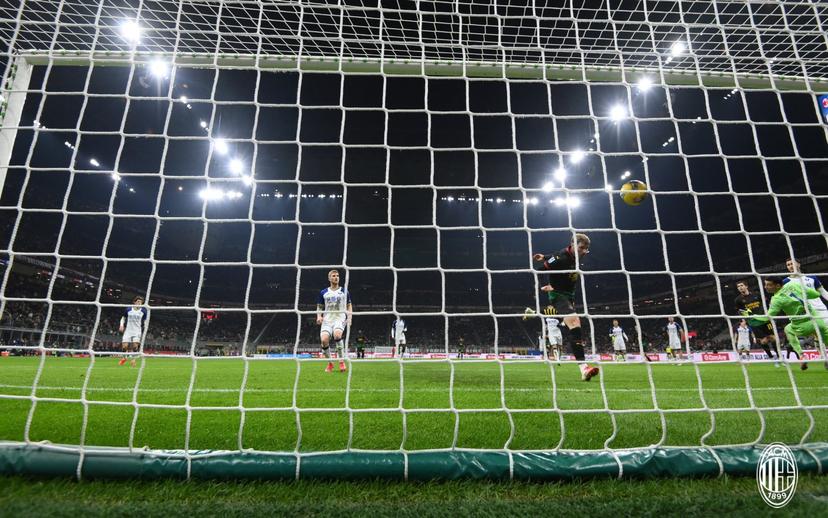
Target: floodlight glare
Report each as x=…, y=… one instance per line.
x=183, y=99
x=560, y=173
x=573, y=202
x=577, y=156
x=450, y=198
x=220, y=146
x=248, y=180
x=94, y=162
x=131, y=31
x=203, y=124
x=115, y=176
x=532, y=201
x=548, y=186
x=618, y=113
x=159, y=68
x=236, y=166
x=678, y=48
x=608, y=187
x=644, y=84
x=211, y=194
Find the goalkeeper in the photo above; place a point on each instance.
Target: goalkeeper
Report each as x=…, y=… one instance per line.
x=792, y=299
x=560, y=291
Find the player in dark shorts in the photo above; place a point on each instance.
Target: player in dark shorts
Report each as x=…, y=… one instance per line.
x=360, y=345
x=560, y=293
x=749, y=304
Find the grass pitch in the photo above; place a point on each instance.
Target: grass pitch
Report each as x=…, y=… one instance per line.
x=529, y=392
x=487, y=394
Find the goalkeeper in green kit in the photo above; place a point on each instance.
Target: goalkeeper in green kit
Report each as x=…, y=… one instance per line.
x=791, y=299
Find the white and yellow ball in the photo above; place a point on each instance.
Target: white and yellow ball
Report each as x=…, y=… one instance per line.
x=634, y=192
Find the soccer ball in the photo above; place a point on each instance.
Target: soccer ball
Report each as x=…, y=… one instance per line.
x=634, y=192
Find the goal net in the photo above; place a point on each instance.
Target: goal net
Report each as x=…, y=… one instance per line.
x=217, y=159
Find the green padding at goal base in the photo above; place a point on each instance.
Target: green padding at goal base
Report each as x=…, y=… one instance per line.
x=42, y=460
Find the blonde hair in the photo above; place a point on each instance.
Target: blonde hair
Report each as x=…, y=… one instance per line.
x=582, y=238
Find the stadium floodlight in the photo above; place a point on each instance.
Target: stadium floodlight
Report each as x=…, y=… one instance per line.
x=618, y=113
x=559, y=201
x=678, y=48
x=116, y=177
x=180, y=188
x=548, y=186
x=159, y=68
x=577, y=156
x=233, y=195
x=203, y=124
x=450, y=198
x=532, y=201
x=220, y=146
x=645, y=84
x=236, y=166
x=94, y=162
x=131, y=31
x=500, y=200
x=132, y=190
x=626, y=175
x=560, y=174
x=573, y=202
x=608, y=187
x=248, y=181
x=183, y=99
x=211, y=193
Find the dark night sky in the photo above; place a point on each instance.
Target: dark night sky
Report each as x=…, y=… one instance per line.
x=500, y=158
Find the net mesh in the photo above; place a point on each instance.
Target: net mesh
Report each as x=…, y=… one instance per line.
x=427, y=150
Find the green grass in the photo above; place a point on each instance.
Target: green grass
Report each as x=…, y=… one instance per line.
x=270, y=421
x=663, y=497
x=270, y=424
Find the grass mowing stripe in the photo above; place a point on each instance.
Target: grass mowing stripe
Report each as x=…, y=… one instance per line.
x=270, y=419
x=407, y=390
x=736, y=496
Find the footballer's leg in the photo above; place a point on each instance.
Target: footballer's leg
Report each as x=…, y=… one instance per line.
x=792, y=332
x=325, y=338
x=340, y=347
x=125, y=349
x=136, y=346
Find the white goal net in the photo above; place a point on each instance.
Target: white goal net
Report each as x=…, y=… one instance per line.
x=217, y=159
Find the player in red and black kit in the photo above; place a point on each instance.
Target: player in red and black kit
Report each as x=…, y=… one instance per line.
x=560, y=291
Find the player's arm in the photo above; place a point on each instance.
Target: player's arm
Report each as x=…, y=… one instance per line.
x=550, y=262
x=123, y=322
x=349, y=310
x=740, y=307
x=320, y=306
x=626, y=339
x=144, y=316
x=774, y=309
x=820, y=288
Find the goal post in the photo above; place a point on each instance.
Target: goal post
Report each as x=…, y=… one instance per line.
x=75, y=251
